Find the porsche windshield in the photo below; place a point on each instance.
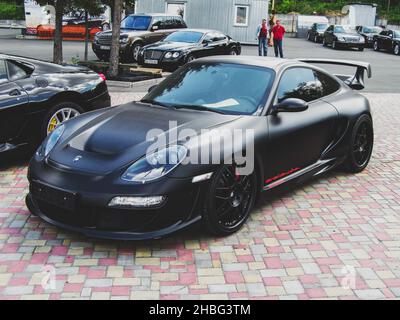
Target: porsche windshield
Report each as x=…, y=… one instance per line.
x=222, y=87
x=184, y=36
x=136, y=22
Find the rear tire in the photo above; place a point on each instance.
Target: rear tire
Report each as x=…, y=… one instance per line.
x=58, y=114
x=361, y=145
x=308, y=37
x=316, y=39
x=229, y=201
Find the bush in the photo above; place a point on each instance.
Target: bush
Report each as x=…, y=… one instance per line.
x=9, y=11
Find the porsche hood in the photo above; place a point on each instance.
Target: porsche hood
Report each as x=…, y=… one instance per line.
x=119, y=136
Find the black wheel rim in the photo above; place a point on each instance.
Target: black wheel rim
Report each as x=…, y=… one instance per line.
x=233, y=198
x=362, y=144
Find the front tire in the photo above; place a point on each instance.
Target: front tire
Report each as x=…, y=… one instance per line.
x=360, y=49
x=57, y=115
x=316, y=39
x=135, y=51
x=361, y=145
x=396, y=49
x=324, y=43
x=229, y=201
x=376, y=46
x=334, y=45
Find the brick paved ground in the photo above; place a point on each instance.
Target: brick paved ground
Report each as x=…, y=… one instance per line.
x=301, y=244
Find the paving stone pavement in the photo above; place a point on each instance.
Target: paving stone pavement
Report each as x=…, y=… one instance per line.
x=336, y=237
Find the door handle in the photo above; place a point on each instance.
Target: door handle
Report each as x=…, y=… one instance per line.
x=15, y=93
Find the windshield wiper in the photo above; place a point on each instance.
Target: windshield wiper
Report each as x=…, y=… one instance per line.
x=197, y=107
x=154, y=102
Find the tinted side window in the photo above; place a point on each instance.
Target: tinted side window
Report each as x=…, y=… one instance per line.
x=328, y=84
x=180, y=23
x=3, y=72
x=159, y=22
x=299, y=83
x=15, y=71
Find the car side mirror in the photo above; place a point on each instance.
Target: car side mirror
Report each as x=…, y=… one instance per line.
x=290, y=105
x=154, y=28
x=151, y=88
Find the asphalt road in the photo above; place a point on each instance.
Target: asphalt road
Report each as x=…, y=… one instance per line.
x=385, y=66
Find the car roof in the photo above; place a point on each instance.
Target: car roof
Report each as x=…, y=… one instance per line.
x=272, y=63
x=198, y=30
x=155, y=15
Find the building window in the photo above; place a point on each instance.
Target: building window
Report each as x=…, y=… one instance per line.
x=176, y=8
x=241, y=16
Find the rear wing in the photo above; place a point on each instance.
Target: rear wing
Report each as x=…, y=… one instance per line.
x=355, y=82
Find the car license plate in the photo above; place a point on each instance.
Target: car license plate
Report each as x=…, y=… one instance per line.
x=151, y=61
x=105, y=47
x=59, y=198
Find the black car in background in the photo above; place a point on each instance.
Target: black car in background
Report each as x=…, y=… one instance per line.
x=137, y=30
x=185, y=46
x=388, y=40
x=37, y=96
x=316, y=32
x=368, y=33
x=339, y=36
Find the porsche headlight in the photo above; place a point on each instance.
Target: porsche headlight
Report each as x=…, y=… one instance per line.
x=155, y=165
x=168, y=55
x=52, y=140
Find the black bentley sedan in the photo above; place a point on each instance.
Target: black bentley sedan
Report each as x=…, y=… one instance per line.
x=388, y=40
x=185, y=46
x=316, y=32
x=37, y=96
x=339, y=36
x=368, y=33
x=202, y=145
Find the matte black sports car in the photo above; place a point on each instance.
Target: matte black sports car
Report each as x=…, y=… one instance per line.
x=184, y=46
x=343, y=37
x=388, y=40
x=368, y=33
x=316, y=32
x=149, y=168
x=36, y=96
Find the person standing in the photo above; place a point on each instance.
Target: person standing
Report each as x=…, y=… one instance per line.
x=262, y=37
x=278, y=32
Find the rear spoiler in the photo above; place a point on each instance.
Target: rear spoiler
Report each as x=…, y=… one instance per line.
x=356, y=82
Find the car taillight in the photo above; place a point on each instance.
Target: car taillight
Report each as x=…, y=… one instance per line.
x=102, y=76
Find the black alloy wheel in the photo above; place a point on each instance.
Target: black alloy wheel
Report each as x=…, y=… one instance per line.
x=361, y=144
x=231, y=198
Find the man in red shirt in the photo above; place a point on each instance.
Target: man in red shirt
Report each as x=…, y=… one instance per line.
x=278, y=32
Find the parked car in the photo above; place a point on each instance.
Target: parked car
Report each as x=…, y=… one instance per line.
x=316, y=32
x=368, y=33
x=388, y=40
x=137, y=30
x=184, y=46
x=37, y=96
x=138, y=171
x=343, y=37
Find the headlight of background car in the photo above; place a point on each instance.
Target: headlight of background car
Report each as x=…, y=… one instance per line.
x=52, y=140
x=341, y=39
x=362, y=40
x=123, y=40
x=155, y=165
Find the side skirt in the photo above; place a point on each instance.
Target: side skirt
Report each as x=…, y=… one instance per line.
x=311, y=171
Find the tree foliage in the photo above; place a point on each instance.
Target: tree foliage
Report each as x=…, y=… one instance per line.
x=335, y=6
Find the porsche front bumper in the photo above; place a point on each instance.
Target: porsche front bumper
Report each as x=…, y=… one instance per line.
x=74, y=202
